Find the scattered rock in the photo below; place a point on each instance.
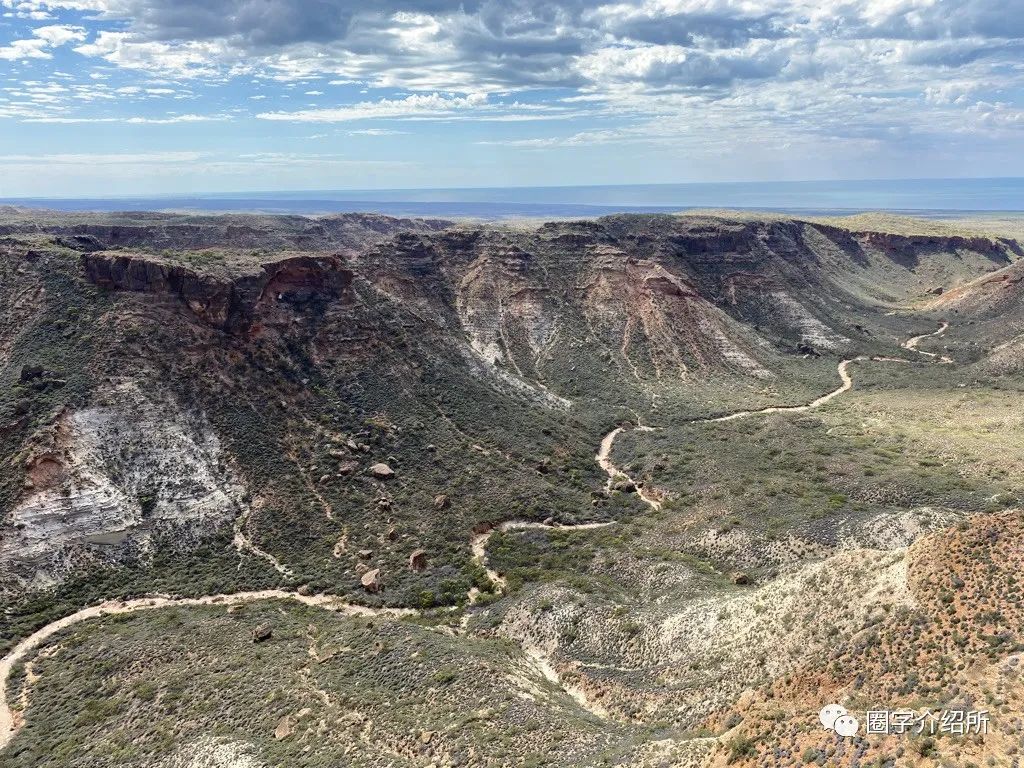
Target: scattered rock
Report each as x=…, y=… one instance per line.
x=392, y=532
x=807, y=349
x=284, y=728
x=365, y=554
x=305, y=590
x=418, y=560
x=624, y=485
x=31, y=372
x=382, y=471
x=262, y=633
x=937, y=290
x=371, y=581
x=347, y=467
x=426, y=736
x=740, y=578
x=441, y=501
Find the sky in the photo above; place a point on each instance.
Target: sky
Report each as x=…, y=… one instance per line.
x=116, y=97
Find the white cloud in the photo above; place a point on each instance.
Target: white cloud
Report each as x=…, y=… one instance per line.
x=102, y=158
x=377, y=132
x=187, y=59
x=680, y=75
x=416, y=105
x=168, y=120
x=57, y=35
x=44, y=39
x=24, y=49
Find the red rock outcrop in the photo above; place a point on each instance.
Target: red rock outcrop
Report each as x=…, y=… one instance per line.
x=237, y=305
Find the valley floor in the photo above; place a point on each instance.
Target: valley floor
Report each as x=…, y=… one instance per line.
x=13, y=714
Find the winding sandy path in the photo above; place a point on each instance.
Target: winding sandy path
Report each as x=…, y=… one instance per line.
x=478, y=543
x=243, y=543
x=846, y=383
x=912, y=343
x=608, y=442
x=115, y=607
x=844, y=376
x=604, y=460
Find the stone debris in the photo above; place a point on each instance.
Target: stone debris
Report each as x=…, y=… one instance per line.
x=371, y=581
x=382, y=471
x=418, y=560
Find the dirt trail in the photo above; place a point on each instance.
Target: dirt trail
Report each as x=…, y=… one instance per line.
x=844, y=376
x=912, y=343
x=243, y=543
x=114, y=607
x=846, y=383
x=9, y=724
x=538, y=658
x=478, y=543
x=604, y=459
x=608, y=442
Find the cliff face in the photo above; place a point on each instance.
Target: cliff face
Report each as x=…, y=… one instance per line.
x=291, y=372
x=662, y=296
x=160, y=231
x=646, y=297
x=237, y=305
x=103, y=481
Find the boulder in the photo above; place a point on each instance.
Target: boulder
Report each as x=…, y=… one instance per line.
x=382, y=471
x=740, y=578
x=418, y=560
x=284, y=728
x=31, y=373
x=441, y=501
x=371, y=581
x=624, y=485
x=262, y=633
x=807, y=349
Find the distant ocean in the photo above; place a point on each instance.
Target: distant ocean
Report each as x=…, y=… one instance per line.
x=923, y=197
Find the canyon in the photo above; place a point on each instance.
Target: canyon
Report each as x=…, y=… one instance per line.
x=588, y=470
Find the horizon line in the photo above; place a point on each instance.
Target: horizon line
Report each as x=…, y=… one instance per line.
x=243, y=193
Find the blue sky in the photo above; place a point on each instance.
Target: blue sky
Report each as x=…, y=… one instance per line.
x=111, y=97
